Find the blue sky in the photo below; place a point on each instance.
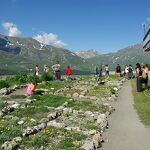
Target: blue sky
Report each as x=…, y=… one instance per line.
x=103, y=25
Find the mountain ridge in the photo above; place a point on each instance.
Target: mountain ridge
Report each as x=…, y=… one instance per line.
x=87, y=54
x=25, y=53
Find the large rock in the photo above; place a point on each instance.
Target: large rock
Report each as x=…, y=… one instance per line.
x=5, y=91
x=88, y=145
x=97, y=139
x=9, y=145
x=55, y=124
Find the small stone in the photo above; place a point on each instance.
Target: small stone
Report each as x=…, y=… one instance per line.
x=44, y=120
x=65, y=104
x=15, y=106
x=75, y=95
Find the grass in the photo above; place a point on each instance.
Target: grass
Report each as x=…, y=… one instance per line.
x=91, y=126
x=54, y=85
x=18, y=96
x=142, y=104
x=32, y=112
x=114, y=77
x=9, y=128
x=87, y=106
x=101, y=91
x=54, y=138
x=2, y=104
x=48, y=100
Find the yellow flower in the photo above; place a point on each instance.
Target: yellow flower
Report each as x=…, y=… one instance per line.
x=7, y=128
x=76, y=142
x=18, y=139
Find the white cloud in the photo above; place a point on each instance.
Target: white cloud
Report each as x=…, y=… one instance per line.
x=12, y=29
x=147, y=19
x=50, y=39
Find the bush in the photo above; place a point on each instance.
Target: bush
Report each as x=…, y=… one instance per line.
x=46, y=76
x=3, y=84
x=22, y=78
x=33, y=78
x=18, y=79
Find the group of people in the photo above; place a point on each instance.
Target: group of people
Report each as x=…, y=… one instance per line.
x=142, y=76
x=141, y=73
x=55, y=69
x=99, y=70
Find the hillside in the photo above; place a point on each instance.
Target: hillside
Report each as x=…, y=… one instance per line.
x=129, y=55
x=22, y=54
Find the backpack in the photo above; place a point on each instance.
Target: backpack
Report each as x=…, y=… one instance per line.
x=130, y=69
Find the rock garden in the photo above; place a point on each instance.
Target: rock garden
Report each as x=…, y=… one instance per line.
x=69, y=115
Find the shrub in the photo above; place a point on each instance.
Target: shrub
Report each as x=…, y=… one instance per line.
x=46, y=76
x=33, y=78
x=22, y=78
x=3, y=84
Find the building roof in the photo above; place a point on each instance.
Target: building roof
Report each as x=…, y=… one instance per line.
x=146, y=41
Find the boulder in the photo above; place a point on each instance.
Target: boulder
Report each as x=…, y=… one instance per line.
x=97, y=140
x=9, y=145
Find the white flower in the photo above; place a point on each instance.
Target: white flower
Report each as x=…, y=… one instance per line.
x=115, y=89
x=21, y=122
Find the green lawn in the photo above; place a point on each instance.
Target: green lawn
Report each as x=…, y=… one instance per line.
x=142, y=104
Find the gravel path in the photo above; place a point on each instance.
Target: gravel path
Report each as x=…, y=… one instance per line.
x=21, y=91
x=126, y=132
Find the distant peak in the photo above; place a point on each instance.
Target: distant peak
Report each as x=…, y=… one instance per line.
x=88, y=54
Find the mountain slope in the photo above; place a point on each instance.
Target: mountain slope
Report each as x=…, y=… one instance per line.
x=22, y=54
x=129, y=55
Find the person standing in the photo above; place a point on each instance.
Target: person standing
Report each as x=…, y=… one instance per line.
x=118, y=70
x=46, y=68
x=139, y=77
x=130, y=73
x=56, y=70
x=145, y=75
x=68, y=72
x=36, y=71
x=126, y=70
x=107, y=70
x=99, y=72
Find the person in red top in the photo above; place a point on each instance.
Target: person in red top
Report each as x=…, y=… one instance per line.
x=68, y=72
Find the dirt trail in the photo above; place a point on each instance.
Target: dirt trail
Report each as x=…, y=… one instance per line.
x=126, y=132
x=21, y=91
